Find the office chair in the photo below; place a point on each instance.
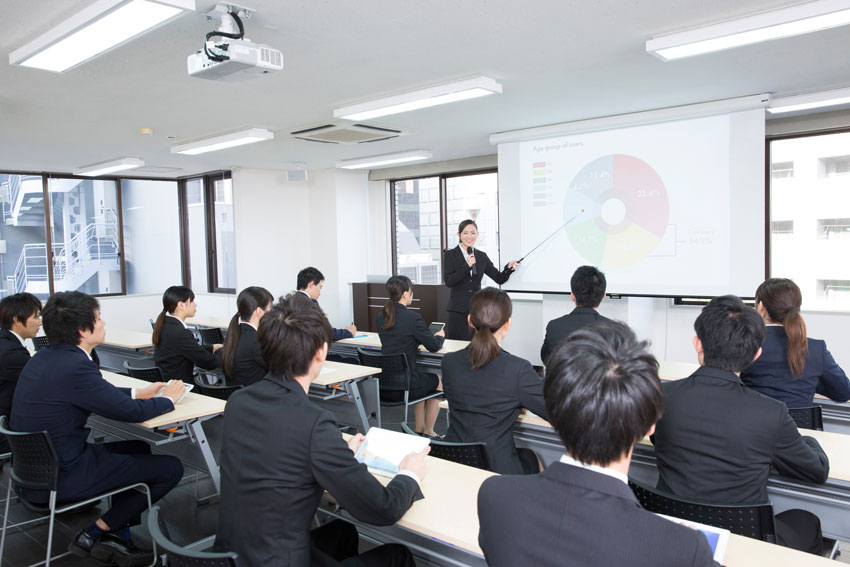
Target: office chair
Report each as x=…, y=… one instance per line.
x=40, y=342
x=469, y=454
x=180, y=556
x=211, y=336
x=809, y=417
x=148, y=373
x=219, y=391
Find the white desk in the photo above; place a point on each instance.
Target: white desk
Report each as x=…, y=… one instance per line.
x=348, y=348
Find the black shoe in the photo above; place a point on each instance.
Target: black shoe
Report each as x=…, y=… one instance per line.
x=82, y=543
x=113, y=549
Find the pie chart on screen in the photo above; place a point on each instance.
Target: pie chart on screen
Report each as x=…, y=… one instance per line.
x=626, y=211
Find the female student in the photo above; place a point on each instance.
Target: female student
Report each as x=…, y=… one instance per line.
x=176, y=351
x=791, y=367
x=463, y=269
x=402, y=331
x=487, y=388
x=241, y=358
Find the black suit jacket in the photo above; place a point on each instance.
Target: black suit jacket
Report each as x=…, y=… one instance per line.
x=13, y=357
x=485, y=403
x=178, y=352
x=57, y=391
x=271, y=484
x=562, y=327
x=462, y=284
x=248, y=365
x=339, y=334
x=771, y=376
x=407, y=334
x=568, y=515
x=717, y=440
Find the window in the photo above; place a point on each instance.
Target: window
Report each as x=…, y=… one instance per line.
x=23, y=242
x=810, y=216
x=225, y=241
x=196, y=234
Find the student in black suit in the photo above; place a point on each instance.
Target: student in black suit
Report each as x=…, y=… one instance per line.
x=241, y=358
x=587, y=290
x=718, y=438
x=310, y=283
x=177, y=351
x=463, y=269
x=402, y=331
x=792, y=367
x=58, y=390
x=487, y=387
x=271, y=485
x=602, y=395
x=20, y=319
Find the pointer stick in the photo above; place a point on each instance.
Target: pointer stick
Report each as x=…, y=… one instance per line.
x=551, y=235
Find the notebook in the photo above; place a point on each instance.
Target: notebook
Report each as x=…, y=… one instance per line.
x=383, y=450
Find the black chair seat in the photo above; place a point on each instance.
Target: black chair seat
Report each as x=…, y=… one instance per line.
x=146, y=373
x=808, y=417
x=180, y=556
x=469, y=454
x=218, y=391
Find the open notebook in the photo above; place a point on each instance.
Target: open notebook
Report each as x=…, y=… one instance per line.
x=383, y=450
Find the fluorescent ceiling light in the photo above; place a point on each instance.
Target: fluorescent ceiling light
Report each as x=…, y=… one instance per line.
x=386, y=159
x=240, y=138
x=422, y=98
x=109, y=167
x=807, y=101
x=785, y=22
x=95, y=29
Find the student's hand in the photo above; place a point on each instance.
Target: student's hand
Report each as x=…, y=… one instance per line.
x=351, y=329
x=216, y=347
x=470, y=260
x=174, y=390
x=513, y=265
x=149, y=391
x=440, y=333
x=355, y=442
x=523, y=411
x=415, y=463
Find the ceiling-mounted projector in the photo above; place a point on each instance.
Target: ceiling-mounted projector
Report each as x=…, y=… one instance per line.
x=227, y=55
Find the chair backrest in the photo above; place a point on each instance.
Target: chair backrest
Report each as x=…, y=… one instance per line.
x=469, y=454
x=211, y=336
x=750, y=520
x=148, y=373
x=809, y=417
x=395, y=374
x=214, y=390
x=182, y=557
x=40, y=342
x=35, y=464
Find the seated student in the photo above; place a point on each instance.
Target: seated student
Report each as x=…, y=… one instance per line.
x=58, y=390
x=718, y=438
x=791, y=367
x=587, y=290
x=176, y=351
x=402, y=331
x=271, y=485
x=241, y=358
x=603, y=395
x=20, y=319
x=487, y=388
x=310, y=283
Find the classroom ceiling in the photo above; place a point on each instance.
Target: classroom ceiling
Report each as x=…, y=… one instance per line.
x=558, y=61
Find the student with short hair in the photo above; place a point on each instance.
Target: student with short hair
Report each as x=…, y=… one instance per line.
x=487, y=387
x=310, y=282
x=587, y=290
x=402, y=331
x=602, y=396
x=272, y=484
x=241, y=358
x=57, y=392
x=718, y=439
x=792, y=367
x=20, y=319
x=176, y=351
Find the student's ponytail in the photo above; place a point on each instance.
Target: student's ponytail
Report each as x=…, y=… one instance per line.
x=248, y=300
x=172, y=296
x=489, y=310
x=396, y=286
x=781, y=298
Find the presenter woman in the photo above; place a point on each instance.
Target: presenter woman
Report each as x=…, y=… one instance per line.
x=792, y=367
x=487, y=388
x=463, y=268
x=176, y=352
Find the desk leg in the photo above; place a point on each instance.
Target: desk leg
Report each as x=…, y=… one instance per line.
x=196, y=428
x=353, y=390
x=372, y=398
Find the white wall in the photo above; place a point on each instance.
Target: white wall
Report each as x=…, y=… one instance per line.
x=133, y=312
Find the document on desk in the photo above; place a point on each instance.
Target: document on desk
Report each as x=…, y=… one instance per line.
x=718, y=538
x=327, y=370
x=383, y=450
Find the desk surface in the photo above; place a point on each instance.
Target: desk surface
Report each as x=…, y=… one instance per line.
x=373, y=340
x=209, y=321
x=337, y=372
x=127, y=339
x=191, y=407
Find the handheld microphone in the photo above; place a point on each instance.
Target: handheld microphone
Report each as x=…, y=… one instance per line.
x=470, y=252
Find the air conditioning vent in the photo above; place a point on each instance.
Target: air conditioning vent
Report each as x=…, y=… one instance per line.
x=345, y=132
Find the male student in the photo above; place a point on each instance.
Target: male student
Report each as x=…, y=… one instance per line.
x=602, y=395
x=718, y=438
x=57, y=391
x=271, y=485
x=20, y=319
x=310, y=283
x=587, y=289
